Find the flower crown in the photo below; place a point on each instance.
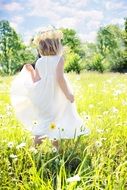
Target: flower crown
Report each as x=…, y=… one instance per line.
x=50, y=34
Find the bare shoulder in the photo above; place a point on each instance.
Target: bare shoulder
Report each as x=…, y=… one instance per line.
x=60, y=67
x=61, y=60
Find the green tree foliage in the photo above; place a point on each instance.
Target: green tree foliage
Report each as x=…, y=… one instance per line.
x=108, y=52
x=73, y=62
x=118, y=58
x=74, y=50
x=125, y=43
x=95, y=63
x=125, y=34
x=71, y=39
x=93, y=59
x=109, y=39
x=13, y=53
x=110, y=47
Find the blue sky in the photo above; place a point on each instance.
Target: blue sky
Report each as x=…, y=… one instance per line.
x=85, y=16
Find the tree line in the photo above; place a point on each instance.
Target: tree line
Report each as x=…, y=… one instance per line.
x=107, y=53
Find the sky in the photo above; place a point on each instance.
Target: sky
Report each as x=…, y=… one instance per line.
x=28, y=17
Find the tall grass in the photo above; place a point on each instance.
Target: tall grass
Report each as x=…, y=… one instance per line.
x=94, y=162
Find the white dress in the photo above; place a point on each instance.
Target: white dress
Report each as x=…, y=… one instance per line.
x=42, y=106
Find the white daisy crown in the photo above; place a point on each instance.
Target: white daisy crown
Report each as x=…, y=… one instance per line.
x=52, y=33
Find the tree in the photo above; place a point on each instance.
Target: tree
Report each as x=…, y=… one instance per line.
x=125, y=33
x=12, y=50
x=74, y=51
x=109, y=39
x=71, y=39
x=125, y=38
x=111, y=45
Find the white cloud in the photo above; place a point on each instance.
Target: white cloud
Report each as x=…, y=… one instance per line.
x=16, y=21
x=92, y=14
x=117, y=21
x=81, y=15
x=43, y=9
x=68, y=22
x=76, y=3
x=55, y=9
x=68, y=14
x=93, y=25
x=114, y=5
x=91, y=37
x=13, y=6
x=27, y=36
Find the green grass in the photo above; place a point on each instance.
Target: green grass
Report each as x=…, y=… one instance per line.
x=100, y=159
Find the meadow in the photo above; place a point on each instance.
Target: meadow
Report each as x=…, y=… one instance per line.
x=94, y=162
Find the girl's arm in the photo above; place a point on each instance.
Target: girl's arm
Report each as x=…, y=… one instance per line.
x=37, y=76
x=62, y=81
x=34, y=72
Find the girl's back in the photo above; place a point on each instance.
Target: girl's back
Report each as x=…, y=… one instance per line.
x=42, y=98
x=46, y=65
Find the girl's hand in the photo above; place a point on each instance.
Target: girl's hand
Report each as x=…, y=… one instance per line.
x=29, y=67
x=70, y=97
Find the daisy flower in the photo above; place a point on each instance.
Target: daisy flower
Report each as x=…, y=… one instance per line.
x=52, y=125
x=74, y=179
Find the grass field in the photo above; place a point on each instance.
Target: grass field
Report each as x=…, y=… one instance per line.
x=94, y=162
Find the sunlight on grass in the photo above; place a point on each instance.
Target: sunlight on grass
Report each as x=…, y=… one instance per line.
x=97, y=161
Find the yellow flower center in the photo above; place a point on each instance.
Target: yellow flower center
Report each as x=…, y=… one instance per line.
x=52, y=125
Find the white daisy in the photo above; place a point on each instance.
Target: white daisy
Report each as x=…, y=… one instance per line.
x=73, y=179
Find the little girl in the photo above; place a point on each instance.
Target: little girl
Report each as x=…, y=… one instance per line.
x=42, y=97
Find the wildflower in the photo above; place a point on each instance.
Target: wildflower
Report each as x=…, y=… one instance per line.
x=21, y=145
x=1, y=116
x=91, y=85
x=91, y=106
x=100, y=130
x=103, y=139
x=98, y=144
x=35, y=122
x=109, y=81
x=33, y=150
x=114, y=110
x=117, y=92
x=87, y=117
x=8, y=107
x=105, y=112
x=13, y=156
x=10, y=145
x=54, y=149
x=124, y=103
x=9, y=113
x=52, y=125
x=74, y=178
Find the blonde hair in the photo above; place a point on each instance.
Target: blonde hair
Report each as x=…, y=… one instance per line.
x=49, y=42
x=49, y=47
